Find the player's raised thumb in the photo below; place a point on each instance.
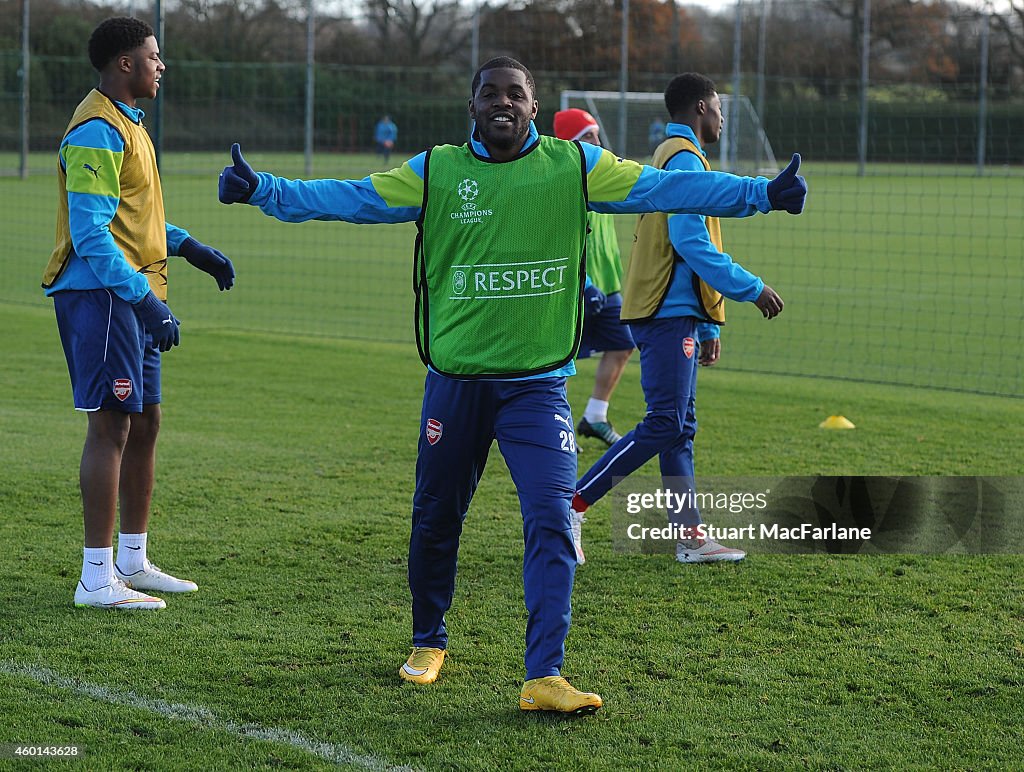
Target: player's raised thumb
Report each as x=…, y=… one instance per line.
x=788, y=190
x=236, y=156
x=790, y=171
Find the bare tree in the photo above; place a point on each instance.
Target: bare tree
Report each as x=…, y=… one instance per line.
x=419, y=32
x=1011, y=23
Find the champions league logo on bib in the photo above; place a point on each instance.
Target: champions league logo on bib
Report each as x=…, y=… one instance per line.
x=468, y=189
x=470, y=213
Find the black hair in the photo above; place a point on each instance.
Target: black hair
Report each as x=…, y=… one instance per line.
x=502, y=63
x=114, y=37
x=684, y=91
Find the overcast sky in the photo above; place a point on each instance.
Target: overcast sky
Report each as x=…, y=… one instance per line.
x=354, y=7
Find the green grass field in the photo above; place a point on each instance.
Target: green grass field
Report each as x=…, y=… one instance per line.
x=284, y=486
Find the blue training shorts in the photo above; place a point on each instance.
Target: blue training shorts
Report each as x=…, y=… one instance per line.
x=111, y=360
x=604, y=332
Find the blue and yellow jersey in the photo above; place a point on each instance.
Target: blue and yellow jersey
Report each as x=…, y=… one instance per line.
x=690, y=239
x=111, y=232
x=613, y=186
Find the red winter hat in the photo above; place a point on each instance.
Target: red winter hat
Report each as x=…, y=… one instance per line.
x=573, y=123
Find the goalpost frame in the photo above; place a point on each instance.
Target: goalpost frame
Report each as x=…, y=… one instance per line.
x=732, y=108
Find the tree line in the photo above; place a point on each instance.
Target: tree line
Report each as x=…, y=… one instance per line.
x=818, y=42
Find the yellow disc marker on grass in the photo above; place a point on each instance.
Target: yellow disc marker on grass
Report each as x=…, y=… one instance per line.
x=836, y=422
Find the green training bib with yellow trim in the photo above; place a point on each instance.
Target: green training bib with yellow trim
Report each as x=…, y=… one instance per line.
x=500, y=260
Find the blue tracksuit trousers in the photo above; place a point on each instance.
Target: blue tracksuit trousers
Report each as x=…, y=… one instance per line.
x=532, y=423
x=668, y=376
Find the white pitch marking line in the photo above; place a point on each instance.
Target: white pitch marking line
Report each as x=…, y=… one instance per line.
x=339, y=754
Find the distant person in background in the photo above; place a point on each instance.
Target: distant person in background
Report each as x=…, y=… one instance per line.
x=602, y=330
x=107, y=276
x=655, y=134
x=673, y=302
x=385, y=134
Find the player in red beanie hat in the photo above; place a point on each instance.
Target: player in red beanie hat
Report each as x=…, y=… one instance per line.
x=574, y=124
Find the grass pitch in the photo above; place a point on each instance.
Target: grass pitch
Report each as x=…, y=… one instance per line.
x=285, y=476
x=284, y=484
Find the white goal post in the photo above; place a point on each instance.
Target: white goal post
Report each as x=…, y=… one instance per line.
x=743, y=149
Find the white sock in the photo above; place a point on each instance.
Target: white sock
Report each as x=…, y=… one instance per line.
x=596, y=412
x=97, y=567
x=131, y=552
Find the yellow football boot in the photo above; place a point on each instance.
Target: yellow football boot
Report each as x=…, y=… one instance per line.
x=555, y=693
x=423, y=665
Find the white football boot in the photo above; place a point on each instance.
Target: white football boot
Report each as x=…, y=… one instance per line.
x=150, y=577
x=115, y=595
x=706, y=551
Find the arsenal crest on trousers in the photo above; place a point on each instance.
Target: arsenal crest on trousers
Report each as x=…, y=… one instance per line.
x=688, y=347
x=434, y=430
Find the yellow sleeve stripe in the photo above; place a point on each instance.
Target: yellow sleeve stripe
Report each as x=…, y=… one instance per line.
x=399, y=187
x=612, y=178
x=92, y=170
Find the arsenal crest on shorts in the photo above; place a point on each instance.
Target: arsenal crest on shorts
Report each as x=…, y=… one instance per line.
x=122, y=388
x=688, y=346
x=434, y=430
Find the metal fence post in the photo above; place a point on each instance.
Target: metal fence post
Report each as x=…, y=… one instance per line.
x=26, y=60
x=761, y=46
x=623, y=78
x=865, y=53
x=733, y=121
x=983, y=93
x=310, y=85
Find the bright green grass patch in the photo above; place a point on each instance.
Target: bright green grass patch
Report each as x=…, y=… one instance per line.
x=284, y=487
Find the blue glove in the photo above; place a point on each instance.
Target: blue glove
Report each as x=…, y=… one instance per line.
x=208, y=259
x=159, y=321
x=789, y=189
x=593, y=300
x=237, y=182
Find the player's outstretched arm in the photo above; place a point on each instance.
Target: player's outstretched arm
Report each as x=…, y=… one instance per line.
x=621, y=186
x=788, y=191
x=237, y=182
x=769, y=302
x=384, y=197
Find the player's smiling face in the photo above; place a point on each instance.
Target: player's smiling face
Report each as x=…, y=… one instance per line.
x=503, y=107
x=146, y=69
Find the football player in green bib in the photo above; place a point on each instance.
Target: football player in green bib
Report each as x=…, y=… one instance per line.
x=500, y=268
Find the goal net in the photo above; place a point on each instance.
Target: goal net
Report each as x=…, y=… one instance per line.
x=743, y=149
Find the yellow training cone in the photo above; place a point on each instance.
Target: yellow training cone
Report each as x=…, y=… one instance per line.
x=836, y=422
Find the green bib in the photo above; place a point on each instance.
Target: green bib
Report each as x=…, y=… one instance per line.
x=500, y=260
x=604, y=264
